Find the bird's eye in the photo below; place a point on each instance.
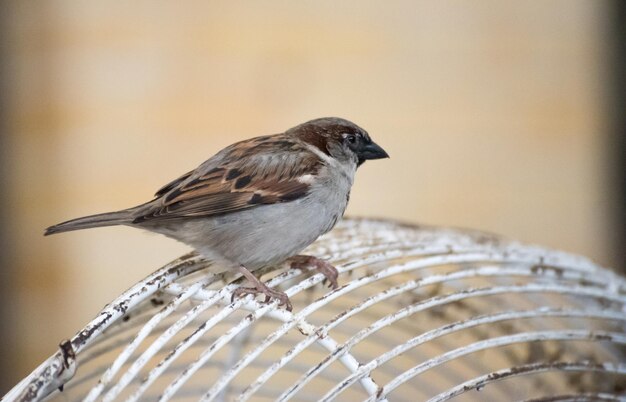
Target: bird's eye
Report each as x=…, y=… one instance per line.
x=351, y=138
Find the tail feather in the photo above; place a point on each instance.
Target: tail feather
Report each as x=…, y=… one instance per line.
x=92, y=221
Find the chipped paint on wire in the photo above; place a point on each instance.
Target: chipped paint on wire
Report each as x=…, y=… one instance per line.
x=418, y=310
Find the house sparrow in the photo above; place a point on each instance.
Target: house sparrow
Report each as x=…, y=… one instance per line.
x=258, y=202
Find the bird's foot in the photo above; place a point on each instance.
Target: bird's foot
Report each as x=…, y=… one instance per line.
x=328, y=270
x=261, y=288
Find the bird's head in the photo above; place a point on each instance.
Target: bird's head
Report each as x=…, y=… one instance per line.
x=340, y=139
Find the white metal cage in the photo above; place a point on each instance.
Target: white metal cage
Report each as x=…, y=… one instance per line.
x=421, y=313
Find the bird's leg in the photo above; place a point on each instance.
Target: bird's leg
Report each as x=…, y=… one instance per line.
x=324, y=267
x=260, y=287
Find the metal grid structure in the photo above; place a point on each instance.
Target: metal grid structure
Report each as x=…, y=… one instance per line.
x=421, y=313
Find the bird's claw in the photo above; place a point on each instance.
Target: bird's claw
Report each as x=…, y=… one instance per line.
x=324, y=267
x=283, y=299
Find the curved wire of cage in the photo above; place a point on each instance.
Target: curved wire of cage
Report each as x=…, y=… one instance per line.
x=422, y=313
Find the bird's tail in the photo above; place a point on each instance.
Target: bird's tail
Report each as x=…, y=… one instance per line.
x=92, y=221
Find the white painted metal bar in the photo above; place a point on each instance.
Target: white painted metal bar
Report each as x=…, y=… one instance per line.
x=141, y=336
x=408, y=286
x=53, y=373
x=457, y=326
x=481, y=382
x=584, y=396
x=568, y=335
x=422, y=306
x=389, y=273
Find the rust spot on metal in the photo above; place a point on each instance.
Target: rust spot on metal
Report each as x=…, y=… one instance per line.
x=68, y=353
x=321, y=334
x=600, y=337
x=155, y=301
x=543, y=269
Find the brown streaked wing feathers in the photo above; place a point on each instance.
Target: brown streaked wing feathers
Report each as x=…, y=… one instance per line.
x=237, y=179
x=169, y=186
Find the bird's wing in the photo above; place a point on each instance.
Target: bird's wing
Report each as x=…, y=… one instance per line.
x=262, y=170
x=171, y=185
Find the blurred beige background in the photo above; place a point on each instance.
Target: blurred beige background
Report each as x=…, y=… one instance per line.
x=492, y=111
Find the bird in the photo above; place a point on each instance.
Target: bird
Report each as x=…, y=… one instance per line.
x=258, y=202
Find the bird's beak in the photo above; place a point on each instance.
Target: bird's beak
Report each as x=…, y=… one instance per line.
x=372, y=151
